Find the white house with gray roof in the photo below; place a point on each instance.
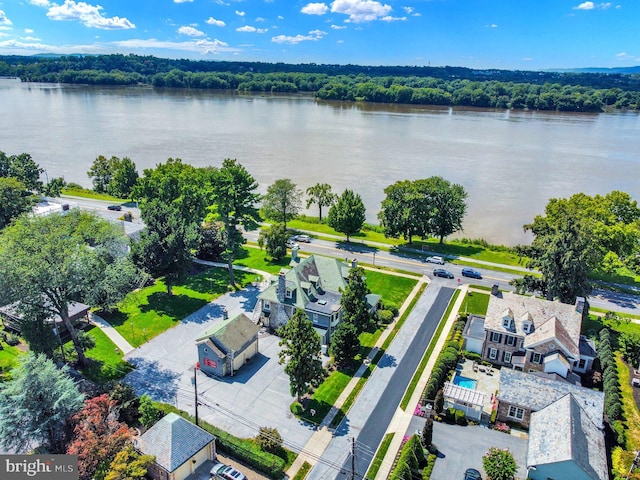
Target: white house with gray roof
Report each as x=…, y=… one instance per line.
x=565, y=443
x=179, y=447
x=520, y=394
x=533, y=335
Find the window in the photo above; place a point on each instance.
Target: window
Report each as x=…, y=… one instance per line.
x=527, y=327
x=496, y=337
x=582, y=364
x=507, y=357
x=493, y=353
x=516, y=412
x=511, y=341
x=266, y=305
x=506, y=322
x=288, y=293
x=536, y=357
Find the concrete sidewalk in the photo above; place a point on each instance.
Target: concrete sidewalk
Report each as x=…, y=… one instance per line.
x=401, y=420
x=119, y=341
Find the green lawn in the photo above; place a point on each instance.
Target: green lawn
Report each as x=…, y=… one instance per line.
x=106, y=360
x=148, y=312
x=475, y=303
x=326, y=395
x=256, y=258
x=9, y=357
x=630, y=411
x=393, y=289
x=86, y=193
x=380, y=454
x=594, y=323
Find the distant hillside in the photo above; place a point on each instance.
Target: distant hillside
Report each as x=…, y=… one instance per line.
x=617, y=70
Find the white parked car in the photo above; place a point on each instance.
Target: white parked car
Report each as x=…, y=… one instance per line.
x=220, y=471
x=436, y=259
x=292, y=244
x=303, y=238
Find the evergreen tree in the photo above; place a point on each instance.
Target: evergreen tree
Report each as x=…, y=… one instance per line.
x=36, y=405
x=348, y=214
x=301, y=354
x=274, y=239
x=354, y=303
x=345, y=344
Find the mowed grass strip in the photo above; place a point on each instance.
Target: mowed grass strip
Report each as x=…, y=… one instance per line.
x=106, y=361
x=475, y=303
x=630, y=410
x=380, y=454
x=146, y=313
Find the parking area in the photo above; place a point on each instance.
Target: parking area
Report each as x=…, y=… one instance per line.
x=463, y=447
x=256, y=396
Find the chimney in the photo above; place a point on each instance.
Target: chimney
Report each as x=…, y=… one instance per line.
x=282, y=285
x=582, y=306
x=354, y=263
x=294, y=254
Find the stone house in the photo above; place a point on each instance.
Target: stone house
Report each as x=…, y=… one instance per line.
x=313, y=285
x=520, y=394
x=179, y=447
x=532, y=335
x=227, y=346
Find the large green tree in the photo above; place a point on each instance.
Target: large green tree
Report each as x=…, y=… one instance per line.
x=499, y=464
x=14, y=200
x=234, y=200
x=446, y=205
x=348, y=214
x=274, y=239
x=282, y=201
x=26, y=170
x=51, y=261
x=36, y=405
x=301, y=354
x=101, y=172
x=345, y=343
x=123, y=179
x=354, y=303
x=321, y=195
x=404, y=211
x=128, y=464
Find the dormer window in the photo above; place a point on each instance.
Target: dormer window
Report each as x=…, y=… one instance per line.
x=506, y=322
x=288, y=293
x=527, y=327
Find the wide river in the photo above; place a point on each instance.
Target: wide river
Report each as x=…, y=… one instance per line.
x=510, y=163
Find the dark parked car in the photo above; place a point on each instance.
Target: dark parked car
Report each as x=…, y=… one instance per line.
x=472, y=474
x=470, y=272
x=441, y=272
x=116, y=208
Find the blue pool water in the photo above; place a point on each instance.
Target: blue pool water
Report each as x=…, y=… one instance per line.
x=465, y=382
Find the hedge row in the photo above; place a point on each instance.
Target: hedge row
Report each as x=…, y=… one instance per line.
x=411, y=460
x=612, y=398
x=447, y=360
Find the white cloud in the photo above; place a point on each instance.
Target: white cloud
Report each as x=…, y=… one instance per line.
x=361, y=10
x=389, y=19
x=190, y=31
x=250, y=29
x=592, y=6
x=280, y=17
x=89, y=15
x=198, y=46
x=315, y=9
x=259, y=19
x=182, y=1
x=338, y=27
x=31, y=39
x=40, y=3
x=28, y=30
x=240, y=13
x=3, y=19
x=626, y=56
x=313, y=36
x=213, y=21
x=492, y=25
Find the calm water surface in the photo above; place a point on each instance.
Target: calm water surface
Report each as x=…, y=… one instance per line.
x=510, y=163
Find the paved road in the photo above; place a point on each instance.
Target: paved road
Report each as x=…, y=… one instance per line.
x=370, y=415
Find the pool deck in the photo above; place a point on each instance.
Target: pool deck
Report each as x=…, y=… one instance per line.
x=488, y=379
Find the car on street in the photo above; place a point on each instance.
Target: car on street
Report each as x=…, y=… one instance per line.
x=220, y=471
x=115, y=208
x=303, y=238
x=470, y=272
x=472, y=474
x=441, y=272
x=292, y=244
x=435, y=259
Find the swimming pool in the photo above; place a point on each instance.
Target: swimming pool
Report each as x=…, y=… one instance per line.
x=465, y=382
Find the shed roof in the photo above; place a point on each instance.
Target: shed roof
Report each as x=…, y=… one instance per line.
x=173, y=440
x=563, y=431
x=233, y=333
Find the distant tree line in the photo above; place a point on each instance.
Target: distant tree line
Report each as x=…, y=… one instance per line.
x=449, y=86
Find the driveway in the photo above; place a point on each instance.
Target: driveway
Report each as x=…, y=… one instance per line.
x=463, y=447
x=257, y=395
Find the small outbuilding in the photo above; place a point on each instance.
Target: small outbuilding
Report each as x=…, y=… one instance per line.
x=179, y=447
x=228, y=345
x=12, y=316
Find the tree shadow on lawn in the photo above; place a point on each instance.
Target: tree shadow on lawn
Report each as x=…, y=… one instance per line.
x=215, y=280
x=176, y=306
x=150, y=378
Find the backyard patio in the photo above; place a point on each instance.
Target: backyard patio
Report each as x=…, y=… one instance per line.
x=474, y=385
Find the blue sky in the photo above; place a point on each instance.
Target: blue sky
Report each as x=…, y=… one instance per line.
x=518, y=34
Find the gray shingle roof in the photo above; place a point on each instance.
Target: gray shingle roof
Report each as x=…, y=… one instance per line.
x=475, y=327
x=534, y=392
x=173, y=440
x=232, y=334
x=563, y=431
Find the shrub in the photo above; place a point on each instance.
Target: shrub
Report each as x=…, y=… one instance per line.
x=427, y=432
x=426, y=471
x=439, y=401
x=385, y=316
x=430, y=390
x=461, y=419
x=296, y=408
x=269, y=439
x=502, y=427
x=401, y=472
x=620, y=432
x=473, y=356
x=613, y=410
x=12, y=339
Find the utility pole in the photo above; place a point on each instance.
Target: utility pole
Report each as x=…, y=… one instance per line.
x=195, y=386
x=353, y=458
